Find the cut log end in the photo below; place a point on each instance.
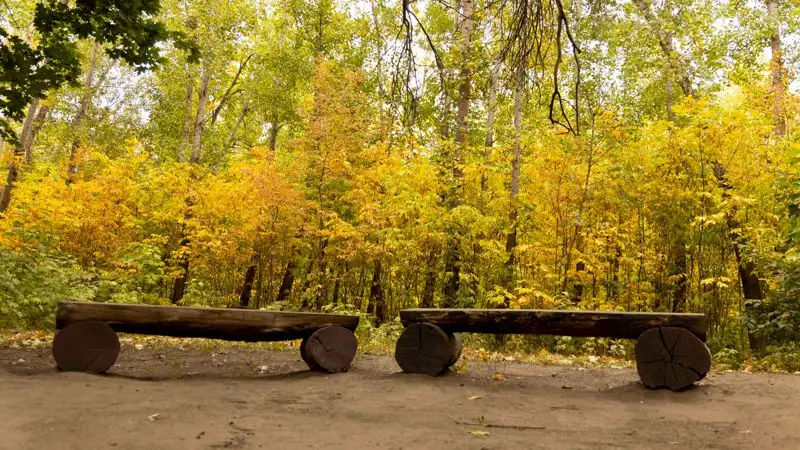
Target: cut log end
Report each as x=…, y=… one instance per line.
x=90, y=347
x=671, y=357
x=425, y=348
x=330, y=349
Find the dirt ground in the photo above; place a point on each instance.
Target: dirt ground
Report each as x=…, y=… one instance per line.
x=248, y=399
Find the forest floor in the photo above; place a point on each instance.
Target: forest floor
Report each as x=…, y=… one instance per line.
x=190, y=398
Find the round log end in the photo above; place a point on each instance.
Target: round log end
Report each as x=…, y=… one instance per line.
x=331, y=349
x=90, y=347
x=671, y=357
x=425, y=348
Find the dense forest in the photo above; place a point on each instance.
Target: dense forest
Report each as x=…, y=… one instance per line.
x=375, y=155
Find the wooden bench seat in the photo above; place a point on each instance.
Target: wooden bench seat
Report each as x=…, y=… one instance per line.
x=670, y=348
x=86, y=338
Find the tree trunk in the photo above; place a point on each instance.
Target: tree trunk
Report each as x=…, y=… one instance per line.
x=285, y=291
x=25, y=138
x=669, y=93
x=188, y=121
x=465, y=81
x=376, y=303
x=453, y=253
x=778, y=87
x=247, y=286
x=91, y=86
x=239, y=120
x=273, y=136
x=751, y=285
x=665, y=41
x=179, y=288
x=38, y=123
x=494, y=85
x=336, y=289
x=430, y=281
x=511, y=240
x=202, y=99
x=678, y=272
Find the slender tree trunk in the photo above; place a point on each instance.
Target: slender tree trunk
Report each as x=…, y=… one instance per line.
x=376, y=303
x=453, y=253
x=778, y=87
x=511, y=240
x=666, y=42
x=322, y=296
x=751, y=285
x=429, y=288
x=669, y=93
x=202, y=100
x=239, y=120
x=336, y=288
x=613, y=288
x=465, y=80
x=179, y=287
x=678, y=273
x=20, y=150
x=188, y=121
x=580, y=244
x=494, y=85
x=92, y=85
x=38, y=123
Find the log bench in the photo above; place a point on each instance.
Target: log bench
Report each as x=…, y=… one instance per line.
x=86, y=337
x=670, y=349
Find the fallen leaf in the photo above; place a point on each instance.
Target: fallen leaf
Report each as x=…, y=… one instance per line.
x=473, y=397
x=478, y=433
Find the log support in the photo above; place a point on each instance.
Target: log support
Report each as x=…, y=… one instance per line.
x=90, y=346
x=426, y=348
x=329, y=349
x=671, y=357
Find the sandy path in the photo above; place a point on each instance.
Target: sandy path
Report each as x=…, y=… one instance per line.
x=207, y=400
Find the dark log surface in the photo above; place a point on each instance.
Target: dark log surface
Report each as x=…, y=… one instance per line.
x=671, y=357
x=306, y=357
x=457, y=346
x=90, y=347
x=331, y=349
x=213, y=323
x=425, y=348
x=555, y=322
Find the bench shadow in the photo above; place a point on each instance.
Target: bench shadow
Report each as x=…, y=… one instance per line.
x=293, y=375
x=289, y=375
x=638, y=391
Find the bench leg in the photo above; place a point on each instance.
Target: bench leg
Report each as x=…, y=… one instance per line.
x=426, y=348
x=671, y=357
x=330, y=349
x=89, y=346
